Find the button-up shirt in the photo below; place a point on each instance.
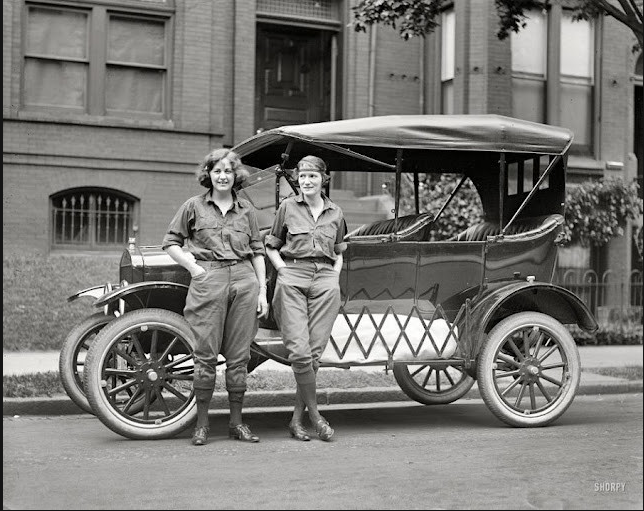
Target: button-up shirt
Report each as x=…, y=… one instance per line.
x=296, y=234
x=211, y=236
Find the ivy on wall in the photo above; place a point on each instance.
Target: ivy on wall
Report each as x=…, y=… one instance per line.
x=597, y=211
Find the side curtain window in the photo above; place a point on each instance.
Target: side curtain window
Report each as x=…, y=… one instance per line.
x=92, y=219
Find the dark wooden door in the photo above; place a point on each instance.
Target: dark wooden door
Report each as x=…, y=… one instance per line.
x=292, y=76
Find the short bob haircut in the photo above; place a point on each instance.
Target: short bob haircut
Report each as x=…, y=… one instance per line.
x=203, y=170
x=315, y=164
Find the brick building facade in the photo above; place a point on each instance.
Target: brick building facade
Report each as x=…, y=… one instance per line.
x=129, y=152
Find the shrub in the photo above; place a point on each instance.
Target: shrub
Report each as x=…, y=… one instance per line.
x=612, y=335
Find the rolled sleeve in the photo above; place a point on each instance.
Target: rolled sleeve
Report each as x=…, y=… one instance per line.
x=256, y=244
x=170, y=239
x=179, y=228
x=340, y=245
x=339, y=248
x=276, y=237
x=273, y=242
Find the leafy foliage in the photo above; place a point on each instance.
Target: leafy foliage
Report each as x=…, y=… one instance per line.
x=639, y=241
x=417, y=18
x=596, y=211
x=464, y=210
x=414, y=17
x=608, y=335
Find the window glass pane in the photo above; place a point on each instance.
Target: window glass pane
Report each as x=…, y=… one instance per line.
x=577, y=48
x=137, y=90
x=529, y=45
x=448, y=43
x=513, y=172
x=575, y=111
x=528, y=99
x=541, y=166
x=57, y=33
x=528, y=175
x=136, y=41
x=55, y=83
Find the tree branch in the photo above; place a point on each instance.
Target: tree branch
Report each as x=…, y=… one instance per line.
x=628, y=17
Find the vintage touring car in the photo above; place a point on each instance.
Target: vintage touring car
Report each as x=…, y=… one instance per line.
x=442, y=314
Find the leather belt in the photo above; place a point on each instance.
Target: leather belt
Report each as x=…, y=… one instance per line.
x=324, y=260
x=218, y=264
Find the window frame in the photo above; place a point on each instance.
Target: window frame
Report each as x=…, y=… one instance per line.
x=554, y=78
x=447, y=66
x=98, y=16
x=93, y=244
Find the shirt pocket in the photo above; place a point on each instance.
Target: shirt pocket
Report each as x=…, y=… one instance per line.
x=326, y=238
x=206, y=229
x=299, y=239
x=240, y=238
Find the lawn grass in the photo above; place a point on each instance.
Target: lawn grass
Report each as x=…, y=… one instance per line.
x=48, y=384
x=36, y=313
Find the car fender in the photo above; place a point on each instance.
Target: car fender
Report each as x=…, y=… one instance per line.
x=92, y=292
x=98, y=291
x=157, y=294
x=502, y=300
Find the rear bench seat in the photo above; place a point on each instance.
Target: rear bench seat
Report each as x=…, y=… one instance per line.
x=520, y=229
x=386, y=226
x=416, y=228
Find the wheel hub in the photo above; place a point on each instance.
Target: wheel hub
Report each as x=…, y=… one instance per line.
x=151, y=374
x=530, y=369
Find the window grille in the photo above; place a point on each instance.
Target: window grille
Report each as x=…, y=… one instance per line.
x=307, y=9
x=91, y=219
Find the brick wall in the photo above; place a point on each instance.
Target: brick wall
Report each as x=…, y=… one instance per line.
x=212, y=94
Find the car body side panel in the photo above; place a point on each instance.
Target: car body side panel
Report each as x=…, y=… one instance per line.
x=520, y=258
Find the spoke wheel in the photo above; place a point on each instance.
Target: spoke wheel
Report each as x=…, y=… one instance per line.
x=144, y=356
x=71, y=360
x=432, y=385
x=528, y=370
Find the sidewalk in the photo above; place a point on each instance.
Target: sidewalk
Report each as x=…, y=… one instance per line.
x=592, y=357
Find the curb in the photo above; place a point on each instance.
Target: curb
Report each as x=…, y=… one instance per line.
x=62, y=405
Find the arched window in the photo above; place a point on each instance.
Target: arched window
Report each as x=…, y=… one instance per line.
x=92, y=219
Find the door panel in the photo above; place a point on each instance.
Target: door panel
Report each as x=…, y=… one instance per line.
x=291, y=76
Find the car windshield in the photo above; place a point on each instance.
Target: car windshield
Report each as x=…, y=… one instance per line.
x=259, y=190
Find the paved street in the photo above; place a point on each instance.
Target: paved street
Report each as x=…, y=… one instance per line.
x=402, y=456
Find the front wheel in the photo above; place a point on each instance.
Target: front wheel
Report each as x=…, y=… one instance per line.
x=72, y=357
x=432, y=385
x=528, y=370
x=144, y=356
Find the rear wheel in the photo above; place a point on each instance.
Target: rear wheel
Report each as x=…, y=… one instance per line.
x=528, y=370
x=144, y=356
x=432, y=385
x=72, y=357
